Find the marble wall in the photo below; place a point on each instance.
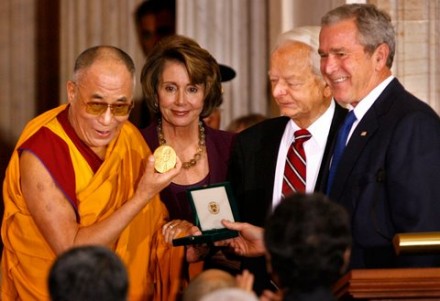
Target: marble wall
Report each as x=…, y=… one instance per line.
x=417, y=64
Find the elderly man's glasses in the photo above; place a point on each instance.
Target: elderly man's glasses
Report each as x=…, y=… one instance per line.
x=117, y=109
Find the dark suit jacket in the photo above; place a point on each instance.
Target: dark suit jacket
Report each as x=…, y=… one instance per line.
x=252, y=174
x=389, y=178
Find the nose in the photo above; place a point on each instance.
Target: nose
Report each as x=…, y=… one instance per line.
x=180, y=97
x=279, y=89
x=106, y=117
x=328, y=64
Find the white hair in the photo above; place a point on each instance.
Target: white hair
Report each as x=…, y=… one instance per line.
x=308, y=35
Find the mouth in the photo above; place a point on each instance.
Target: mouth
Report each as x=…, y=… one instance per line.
x=339, y=79
x=103, y=133
x=180, y=113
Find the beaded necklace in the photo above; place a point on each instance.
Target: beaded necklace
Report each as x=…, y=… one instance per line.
x=200, y=147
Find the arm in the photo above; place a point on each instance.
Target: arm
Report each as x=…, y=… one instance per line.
x=56, y=218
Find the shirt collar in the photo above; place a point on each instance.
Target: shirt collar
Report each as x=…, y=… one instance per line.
x=319, y=129
x=365, y=104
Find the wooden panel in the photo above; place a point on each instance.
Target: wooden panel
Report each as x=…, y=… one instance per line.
x=390, y=284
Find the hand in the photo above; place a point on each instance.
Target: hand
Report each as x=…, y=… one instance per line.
x=196, y=253
x=178, y=228
x=153, y=182
x=249, y=242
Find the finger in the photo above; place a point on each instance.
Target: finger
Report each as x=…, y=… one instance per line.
x=232, y=225
x=150, y=164
x=167, y=227
x=194, y=230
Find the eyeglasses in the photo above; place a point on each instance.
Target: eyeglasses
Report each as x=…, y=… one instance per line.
x=117, y=109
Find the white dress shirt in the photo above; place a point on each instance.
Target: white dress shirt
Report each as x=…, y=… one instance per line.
x=313, y=148
x=365, y=104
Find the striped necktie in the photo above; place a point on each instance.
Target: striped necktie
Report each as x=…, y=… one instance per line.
x=295, y=169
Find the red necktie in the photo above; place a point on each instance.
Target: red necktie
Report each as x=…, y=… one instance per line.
x=295, y=168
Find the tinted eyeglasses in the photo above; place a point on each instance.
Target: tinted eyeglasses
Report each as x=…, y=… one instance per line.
x=117, y=109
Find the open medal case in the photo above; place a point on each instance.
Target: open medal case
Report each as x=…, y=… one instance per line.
x=210, y=205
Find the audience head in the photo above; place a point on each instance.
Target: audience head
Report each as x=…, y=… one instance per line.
x=100, y=93
x=199, y=65
x=230, y=294
x=206, y=282
x=88, y=273
x=308, y=241
x=155, y=19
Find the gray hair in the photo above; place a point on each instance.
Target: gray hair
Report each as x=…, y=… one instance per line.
x=374, y=26
x=96, y=53
x=308, y=35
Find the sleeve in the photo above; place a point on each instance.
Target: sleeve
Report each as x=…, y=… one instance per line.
x=414, y=180
x=167, y=266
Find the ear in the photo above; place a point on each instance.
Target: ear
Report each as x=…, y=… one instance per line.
x=380, y=56
x=71, y=91
x=327, y=91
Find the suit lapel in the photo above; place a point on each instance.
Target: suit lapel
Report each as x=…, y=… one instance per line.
x=365, y=130
x=268, y=153
x=338, y=118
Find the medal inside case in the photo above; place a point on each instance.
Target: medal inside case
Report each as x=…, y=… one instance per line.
x=210, y=205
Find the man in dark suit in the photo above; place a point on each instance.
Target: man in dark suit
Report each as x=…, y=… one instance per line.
x=388, y=177
x=259, y=154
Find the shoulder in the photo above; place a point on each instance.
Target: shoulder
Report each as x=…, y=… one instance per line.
x=267, y=127
x=150, y=135
x=218, y=138
x=219, y=134
x=45, y=141
x=397, y=103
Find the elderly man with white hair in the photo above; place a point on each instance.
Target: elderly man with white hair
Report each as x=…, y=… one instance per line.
x=284, y=155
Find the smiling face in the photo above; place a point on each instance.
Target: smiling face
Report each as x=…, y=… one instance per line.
x=348, y=69
x=106, y=82
x=180, y=101
x=299, y=93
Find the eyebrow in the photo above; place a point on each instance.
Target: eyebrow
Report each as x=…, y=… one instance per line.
x=333, y=50
x=100, y=97
x=287, y=78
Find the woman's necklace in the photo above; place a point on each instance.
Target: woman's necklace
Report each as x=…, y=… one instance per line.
x=200, y=147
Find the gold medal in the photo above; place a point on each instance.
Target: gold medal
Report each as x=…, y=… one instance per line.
x=165, y=158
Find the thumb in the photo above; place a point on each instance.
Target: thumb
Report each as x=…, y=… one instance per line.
x=232, y=225
x=150, y=164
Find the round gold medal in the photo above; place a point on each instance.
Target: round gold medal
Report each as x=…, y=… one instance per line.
x=165, y=158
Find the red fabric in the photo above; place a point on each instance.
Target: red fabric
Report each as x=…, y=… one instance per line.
x=295, y=168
